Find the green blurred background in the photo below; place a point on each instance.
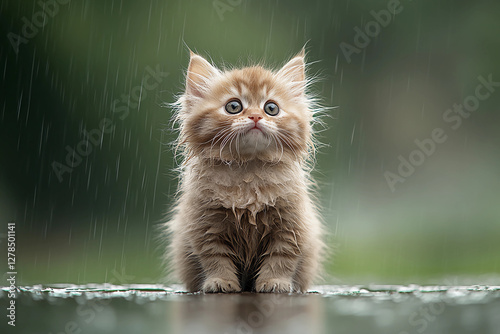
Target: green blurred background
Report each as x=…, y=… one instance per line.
x=102, y=220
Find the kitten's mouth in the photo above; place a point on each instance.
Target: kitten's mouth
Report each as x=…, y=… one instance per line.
x=255, y=127
x=255, y=131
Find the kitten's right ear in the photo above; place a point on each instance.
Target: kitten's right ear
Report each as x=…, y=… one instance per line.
x=199, y=74
x=294, y=72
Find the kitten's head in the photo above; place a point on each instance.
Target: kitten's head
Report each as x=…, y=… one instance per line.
x=245, y=114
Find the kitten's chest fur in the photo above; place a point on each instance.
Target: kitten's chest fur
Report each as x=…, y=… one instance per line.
x=252, y=187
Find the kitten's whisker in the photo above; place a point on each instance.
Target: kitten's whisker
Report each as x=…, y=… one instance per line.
x=229, y=138
x=288, y=135
x=276, y=142
x=238, y=145
x=233, y=136
x=216, y=135
x=220, y=135
x=288, y=141
x=223, y=143
x=282, y=149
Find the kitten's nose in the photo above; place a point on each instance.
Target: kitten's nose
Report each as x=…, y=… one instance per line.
x=255, y=117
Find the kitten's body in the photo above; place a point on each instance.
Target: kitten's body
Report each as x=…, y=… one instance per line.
x=244, y=218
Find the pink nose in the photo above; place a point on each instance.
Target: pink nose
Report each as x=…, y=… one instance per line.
x=255, y=117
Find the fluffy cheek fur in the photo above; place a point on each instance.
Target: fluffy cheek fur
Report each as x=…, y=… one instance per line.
x=200, y=128
x=294, y=131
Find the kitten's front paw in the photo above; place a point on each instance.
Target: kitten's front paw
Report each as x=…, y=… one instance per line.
x=221, y=285
x=279, y=285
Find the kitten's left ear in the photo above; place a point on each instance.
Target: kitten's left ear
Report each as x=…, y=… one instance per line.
x=198, y=75
x=294, y=71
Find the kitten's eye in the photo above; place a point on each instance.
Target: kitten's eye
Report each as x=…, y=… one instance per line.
x=271, y=108
x=234, y=107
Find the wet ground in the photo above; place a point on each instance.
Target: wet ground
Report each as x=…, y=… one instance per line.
x=329, y=309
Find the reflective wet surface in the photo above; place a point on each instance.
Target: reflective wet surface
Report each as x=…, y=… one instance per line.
x=329, y=309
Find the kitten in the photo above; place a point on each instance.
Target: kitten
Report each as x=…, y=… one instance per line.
x=245, y=219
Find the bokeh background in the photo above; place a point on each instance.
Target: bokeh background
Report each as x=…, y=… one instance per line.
x=90, y=59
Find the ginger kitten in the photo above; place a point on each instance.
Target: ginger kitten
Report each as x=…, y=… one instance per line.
x=244, y=219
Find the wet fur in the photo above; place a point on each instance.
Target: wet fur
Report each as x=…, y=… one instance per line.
x=244, y=219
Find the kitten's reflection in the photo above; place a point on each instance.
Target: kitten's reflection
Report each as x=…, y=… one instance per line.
x=246, y=313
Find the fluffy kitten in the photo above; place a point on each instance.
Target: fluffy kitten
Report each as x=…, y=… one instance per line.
x=245, y=219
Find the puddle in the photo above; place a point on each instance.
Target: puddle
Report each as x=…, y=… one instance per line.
x=146, y=308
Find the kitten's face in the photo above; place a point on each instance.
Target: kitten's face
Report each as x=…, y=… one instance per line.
x=246, y=114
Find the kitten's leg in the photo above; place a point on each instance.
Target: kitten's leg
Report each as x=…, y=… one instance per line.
x=219, y=269
x=190, y=271
x=308, y=265
x=279, y=263
x=311, y=252
x=186, y=266
x=215, y=257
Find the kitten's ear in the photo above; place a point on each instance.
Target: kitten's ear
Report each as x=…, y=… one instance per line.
x=294, y=71
x=198, y=75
